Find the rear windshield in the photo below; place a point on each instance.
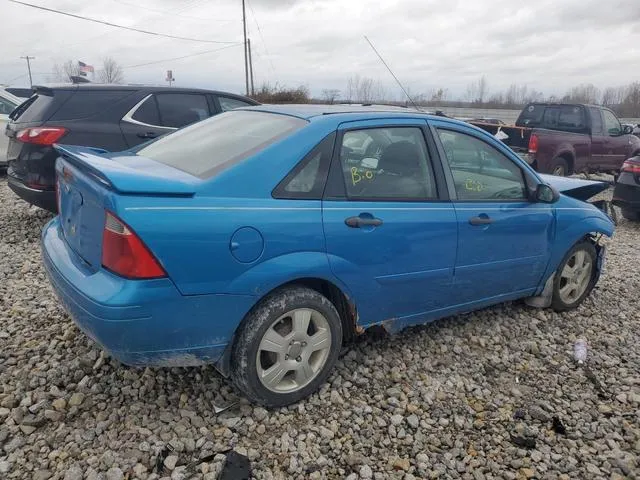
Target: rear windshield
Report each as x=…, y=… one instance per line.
x=210, y=145
x=531, y=116
x=33, y=110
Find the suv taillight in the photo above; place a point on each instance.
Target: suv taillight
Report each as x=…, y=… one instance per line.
x=631, y=166
x=41, y=135
x=124, y=253
x=533, y=143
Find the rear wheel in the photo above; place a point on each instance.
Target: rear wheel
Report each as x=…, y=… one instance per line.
x=286, y=347
x=575, y=278
x=632, y=215
x=560, y=167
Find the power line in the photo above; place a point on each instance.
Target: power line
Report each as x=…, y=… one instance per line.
x=146, y=32
x=264, y=44
x=168, y=12
x=180, y=58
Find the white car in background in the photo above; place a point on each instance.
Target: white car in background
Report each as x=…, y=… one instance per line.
x=8, y=103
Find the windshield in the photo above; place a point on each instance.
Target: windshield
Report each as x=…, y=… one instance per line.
x=206, y=147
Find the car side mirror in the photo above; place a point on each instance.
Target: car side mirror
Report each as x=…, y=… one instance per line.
x=627, y=130
x=546, y=194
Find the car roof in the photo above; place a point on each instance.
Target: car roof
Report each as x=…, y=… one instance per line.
x=131, y=87
x=311, y=111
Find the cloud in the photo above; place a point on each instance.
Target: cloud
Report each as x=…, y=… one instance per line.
x=547, y=44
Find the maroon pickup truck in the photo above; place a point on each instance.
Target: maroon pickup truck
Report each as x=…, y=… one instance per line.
x=568, y=138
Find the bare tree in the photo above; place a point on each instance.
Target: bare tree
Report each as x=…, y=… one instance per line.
x=62, y=72
x=330, y=95
x=111, y=71
x=482, y=89
x=584, y=93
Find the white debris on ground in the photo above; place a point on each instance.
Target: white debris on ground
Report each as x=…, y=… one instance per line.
x=470, y=397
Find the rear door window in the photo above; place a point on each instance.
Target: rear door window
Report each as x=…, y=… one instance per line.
x=209, y=146
x=178, y=110
x=83, y=104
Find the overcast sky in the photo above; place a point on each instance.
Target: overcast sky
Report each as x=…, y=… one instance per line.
x=550, y=45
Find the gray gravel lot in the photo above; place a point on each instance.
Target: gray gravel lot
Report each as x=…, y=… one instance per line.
x=446, y=400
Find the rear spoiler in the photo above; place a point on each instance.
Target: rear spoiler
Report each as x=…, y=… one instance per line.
x=128, y=173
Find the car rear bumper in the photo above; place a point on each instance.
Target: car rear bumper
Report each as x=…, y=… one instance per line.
x=40, y=198
x=626, y=193
x=140, y=322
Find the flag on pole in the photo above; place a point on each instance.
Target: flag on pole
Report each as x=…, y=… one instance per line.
x=84, y=68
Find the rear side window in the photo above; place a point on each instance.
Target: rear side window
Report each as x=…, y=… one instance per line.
x=308, y=178
x=209, y=146
x=87, y=103
x=178, y=110
x=596, y=121
x=148, y=112
x=571, y=118
x=531, y=116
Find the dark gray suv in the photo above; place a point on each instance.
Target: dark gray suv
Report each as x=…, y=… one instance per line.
x=108, y=117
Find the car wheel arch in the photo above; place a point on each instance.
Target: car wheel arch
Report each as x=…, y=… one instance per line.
x=336, y=295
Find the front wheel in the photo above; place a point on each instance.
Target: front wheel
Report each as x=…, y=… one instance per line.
x=286, y=347
x=575, y=278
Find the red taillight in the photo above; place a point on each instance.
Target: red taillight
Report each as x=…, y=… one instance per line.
x=631, y=167
x=41, y=135
x=124, y=253
x=533, y=143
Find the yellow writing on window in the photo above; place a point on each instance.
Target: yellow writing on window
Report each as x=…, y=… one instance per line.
x=357, y=176
x=473, y=185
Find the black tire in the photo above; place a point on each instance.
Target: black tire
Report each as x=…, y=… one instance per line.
x=559, y=167
x=560, y=305
x=631, y=215
x=244, y=361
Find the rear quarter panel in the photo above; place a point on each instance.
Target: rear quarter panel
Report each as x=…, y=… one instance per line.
x=231, y=245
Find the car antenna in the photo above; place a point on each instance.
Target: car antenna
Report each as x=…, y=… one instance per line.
x=392, y=74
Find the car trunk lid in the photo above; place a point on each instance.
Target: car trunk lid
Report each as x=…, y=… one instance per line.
x=88, y=184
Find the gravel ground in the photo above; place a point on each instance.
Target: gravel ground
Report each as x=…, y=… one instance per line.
x=460, y=398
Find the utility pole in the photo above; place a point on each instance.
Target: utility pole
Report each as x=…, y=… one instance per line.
x=28, y=59
x=253, y=91
x=246, y=66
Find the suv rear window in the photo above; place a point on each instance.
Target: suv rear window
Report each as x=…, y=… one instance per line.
x=210, y=145
x=33, y=110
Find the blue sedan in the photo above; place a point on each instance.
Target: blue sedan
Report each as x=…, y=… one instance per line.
x=263, y=239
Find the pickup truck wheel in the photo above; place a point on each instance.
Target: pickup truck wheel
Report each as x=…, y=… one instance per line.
x=286, y=347
x=575, y=277
x=631, y=215
x=560, y=167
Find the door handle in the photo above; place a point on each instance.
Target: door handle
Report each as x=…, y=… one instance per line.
x=357, y=222
x=147, y=135
x=481, y=220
